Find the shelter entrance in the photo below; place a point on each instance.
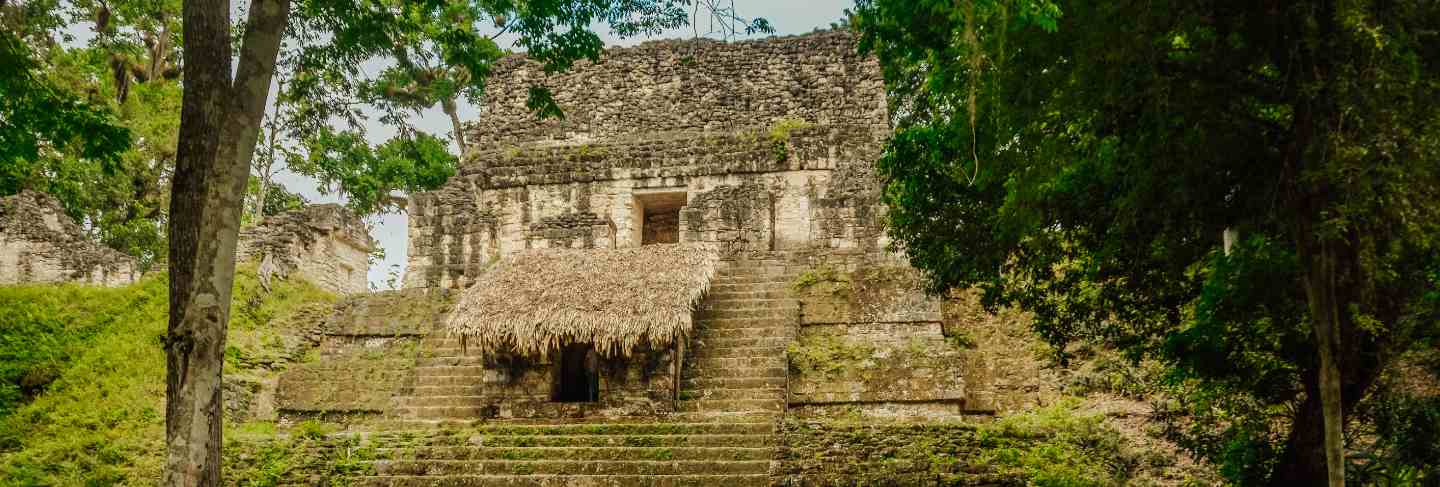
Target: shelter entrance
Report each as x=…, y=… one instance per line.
x=659, y=217
x=576, y=375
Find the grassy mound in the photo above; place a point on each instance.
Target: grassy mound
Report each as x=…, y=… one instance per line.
x=82, y=374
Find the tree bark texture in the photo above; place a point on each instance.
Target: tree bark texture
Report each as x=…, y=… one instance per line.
x=219, y=123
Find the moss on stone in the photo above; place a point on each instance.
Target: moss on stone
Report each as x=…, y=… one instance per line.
x=828, y=355
x=823, y=279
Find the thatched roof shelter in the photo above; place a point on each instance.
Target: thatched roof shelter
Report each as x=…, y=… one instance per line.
x=536, y=301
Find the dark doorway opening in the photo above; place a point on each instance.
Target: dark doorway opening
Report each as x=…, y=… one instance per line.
x=660, y=217
x=577, y=378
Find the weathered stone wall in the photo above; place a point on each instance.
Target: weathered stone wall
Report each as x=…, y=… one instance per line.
x=640, y=385
x=383, y=355
x=326, y=244
x=768, y=142
x=366, y=355
x=882, y=453
x=40, y=243
x=870, y=340
x=688, y=86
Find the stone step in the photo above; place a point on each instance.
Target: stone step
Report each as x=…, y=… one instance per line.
x=722, y=313
x=454, y=370
x=777, y=383
x=741, y=331
x=743, y=295
x=569, y=467
x=749, y=287
x=716, y=393
x=436, y=380
x=460, y=400
x=735, y=362
x=444, y=412
x=731, y=373
x=437, y=360
x=470, y=388
x=567, y=480
x=751, y=277
x=681, y=440
x=604, y=453
x=670, y=424
x=716, y=304
x=703, y=342
x=708, y=350
x=732, y=405
x=746, y=322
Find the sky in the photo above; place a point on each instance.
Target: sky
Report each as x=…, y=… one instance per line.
x=787, y=16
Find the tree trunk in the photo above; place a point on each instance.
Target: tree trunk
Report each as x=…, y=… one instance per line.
x=259, y=214
x=1321, y=282
x=448, y=105
x=1303, y=461
x=219, y=123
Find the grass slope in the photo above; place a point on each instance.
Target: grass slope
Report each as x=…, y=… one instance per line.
x=82, y=375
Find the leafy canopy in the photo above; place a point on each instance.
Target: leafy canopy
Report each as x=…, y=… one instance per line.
x=1083, y=159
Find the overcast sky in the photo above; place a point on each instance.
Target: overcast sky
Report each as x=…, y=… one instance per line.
x=787, y=16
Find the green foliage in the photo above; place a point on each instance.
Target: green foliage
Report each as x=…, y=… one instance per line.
x=836, y=283
x=277, y=199
x=312, y=430
x=121, y=100
x=1084, y=170
x=270, y=461
x=37, y=116
x=780, y=135
x=368, y=176
x=101, y=419
x=1057, y=446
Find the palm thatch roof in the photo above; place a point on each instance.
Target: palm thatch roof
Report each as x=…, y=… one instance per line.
x=537, y=301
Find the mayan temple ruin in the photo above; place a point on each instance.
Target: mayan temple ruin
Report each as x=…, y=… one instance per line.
x=635, y=294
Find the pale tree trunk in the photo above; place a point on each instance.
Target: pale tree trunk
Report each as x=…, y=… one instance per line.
x=219, y=123
x=266, y=171
x=1321, y=286
x=448, y=105
x=267, y=167
x=260, y=192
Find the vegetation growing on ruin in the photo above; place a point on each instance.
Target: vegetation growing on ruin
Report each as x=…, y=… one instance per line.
x=1063, y=444
x=829, y=354
x=824, y=278
x=780, y=135
x=83, y=374
x=309, y=454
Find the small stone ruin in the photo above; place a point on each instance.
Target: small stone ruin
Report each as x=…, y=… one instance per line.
x=39, y=243
x=326, y=244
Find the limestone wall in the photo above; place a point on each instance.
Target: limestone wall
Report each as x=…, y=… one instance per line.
x=40, y=243
x=871, y=341
x=769, y=144
x=692, y=86
x=326, y=244
x=383, y=355
x=366, y=355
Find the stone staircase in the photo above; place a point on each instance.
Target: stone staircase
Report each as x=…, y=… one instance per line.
x=448, y=383
x=722, y=433
x=730, y=454
x=736, y=361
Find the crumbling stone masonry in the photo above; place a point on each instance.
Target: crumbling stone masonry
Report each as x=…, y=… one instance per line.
x=40, y=243
x=763, y=149
x=760, y=145
x=326, y=244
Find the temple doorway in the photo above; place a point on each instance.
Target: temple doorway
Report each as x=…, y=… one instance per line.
x=577, y=378
x=659, y=217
